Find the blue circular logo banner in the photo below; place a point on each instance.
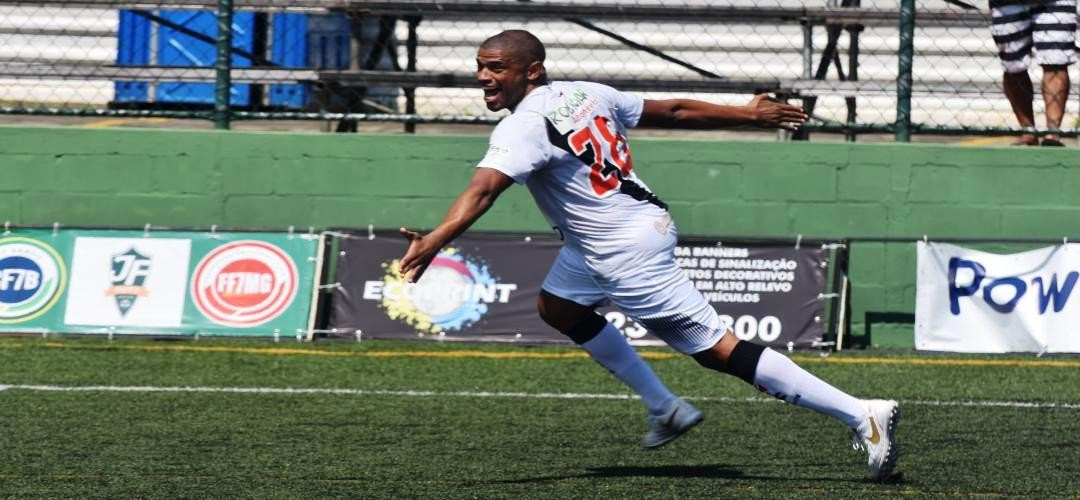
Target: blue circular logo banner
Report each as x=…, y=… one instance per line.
x=32, y=278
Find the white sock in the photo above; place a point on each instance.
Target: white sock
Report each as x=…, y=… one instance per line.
x=782, y=378
x=611, y=350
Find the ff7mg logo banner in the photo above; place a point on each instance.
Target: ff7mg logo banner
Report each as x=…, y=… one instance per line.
x=158, y=282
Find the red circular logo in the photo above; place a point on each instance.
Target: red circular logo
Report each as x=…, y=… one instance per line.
x=244, y=283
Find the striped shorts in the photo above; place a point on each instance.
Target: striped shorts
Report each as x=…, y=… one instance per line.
x=645, y=283
x=1047, y=26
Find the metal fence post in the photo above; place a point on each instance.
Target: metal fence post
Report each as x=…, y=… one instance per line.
x=903, y=78
x=223, y=65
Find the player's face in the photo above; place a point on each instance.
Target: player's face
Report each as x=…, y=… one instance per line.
x=503, y=78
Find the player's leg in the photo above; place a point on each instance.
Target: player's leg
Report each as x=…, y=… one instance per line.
x=607, y=346
x=566, y=290
x=874, y=421
x=1011, y=27
x=1054, y=38
x=659, y=295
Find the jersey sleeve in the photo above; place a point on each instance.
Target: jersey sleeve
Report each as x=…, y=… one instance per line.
x=625, y=107
x=518, y=147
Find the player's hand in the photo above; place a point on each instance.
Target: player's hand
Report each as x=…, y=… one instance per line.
x=771, y=114
x=417, y=257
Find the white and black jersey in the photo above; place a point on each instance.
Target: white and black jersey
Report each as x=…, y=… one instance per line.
x=566, y=142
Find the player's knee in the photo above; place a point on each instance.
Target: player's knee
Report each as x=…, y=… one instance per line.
x=586, y=329
x=743, y=360
x=740, y=360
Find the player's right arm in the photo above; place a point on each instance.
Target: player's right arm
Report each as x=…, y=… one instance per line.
x=486, y=185
x=691, y=113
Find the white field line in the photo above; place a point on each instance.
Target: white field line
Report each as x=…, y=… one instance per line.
x=485, y=394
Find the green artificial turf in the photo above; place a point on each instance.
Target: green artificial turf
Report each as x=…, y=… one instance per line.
x=452, y=442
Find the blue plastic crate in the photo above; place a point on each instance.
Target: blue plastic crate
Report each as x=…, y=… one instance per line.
x=175, y=48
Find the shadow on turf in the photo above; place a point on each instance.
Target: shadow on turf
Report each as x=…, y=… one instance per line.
x=670, y=471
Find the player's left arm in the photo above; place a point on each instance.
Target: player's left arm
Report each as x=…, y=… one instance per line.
x=761, y=111
x=484, y=188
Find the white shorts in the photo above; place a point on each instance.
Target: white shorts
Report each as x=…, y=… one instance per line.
x=1048, y=27
x=647, y=285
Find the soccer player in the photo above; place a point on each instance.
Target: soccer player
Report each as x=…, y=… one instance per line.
x=566, y=141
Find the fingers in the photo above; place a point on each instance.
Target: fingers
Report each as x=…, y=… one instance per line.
x=410, y=235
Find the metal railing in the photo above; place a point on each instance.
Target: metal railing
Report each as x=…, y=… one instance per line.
x=897, y=77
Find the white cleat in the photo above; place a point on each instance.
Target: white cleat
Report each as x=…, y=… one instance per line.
x=678, y=418
x=878, y=437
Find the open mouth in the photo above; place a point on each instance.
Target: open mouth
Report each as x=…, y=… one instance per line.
x=490, y=94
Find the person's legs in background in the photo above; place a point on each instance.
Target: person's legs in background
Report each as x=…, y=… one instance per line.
x=1054, y=39
x=1011, y=27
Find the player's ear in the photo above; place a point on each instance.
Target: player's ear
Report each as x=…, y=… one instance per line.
x=536, y=72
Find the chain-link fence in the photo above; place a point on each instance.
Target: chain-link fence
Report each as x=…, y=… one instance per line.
x=412, y=61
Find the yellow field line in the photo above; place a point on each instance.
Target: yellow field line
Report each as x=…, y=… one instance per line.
x=280, y=351
x=124, y=121
x=986, y=141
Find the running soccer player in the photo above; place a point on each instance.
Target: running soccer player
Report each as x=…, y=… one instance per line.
x=566, y=142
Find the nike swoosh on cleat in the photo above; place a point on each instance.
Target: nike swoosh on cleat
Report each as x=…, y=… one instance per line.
x=875, y=438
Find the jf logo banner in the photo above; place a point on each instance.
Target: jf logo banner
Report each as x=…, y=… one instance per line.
x=484, y=287
x=163, y=282
x=972, y=301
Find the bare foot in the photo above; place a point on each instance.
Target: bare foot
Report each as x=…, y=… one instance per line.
x=1026, y=140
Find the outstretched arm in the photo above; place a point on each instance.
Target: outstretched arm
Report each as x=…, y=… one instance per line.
x=690, y=113
x=486, y=185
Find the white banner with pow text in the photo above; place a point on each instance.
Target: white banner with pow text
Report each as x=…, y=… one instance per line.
x=972, y=301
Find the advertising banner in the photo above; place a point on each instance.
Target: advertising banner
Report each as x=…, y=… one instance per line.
x=979, y=302
x=156, y=282
x=34, y=269
x=485, y=287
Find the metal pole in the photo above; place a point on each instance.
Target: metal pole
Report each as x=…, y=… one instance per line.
x=807, y=73
x=903, y=79
x=853, y=72
x=410, y=66
x=223, y=65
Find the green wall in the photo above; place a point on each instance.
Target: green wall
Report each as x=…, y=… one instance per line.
x=193, y=178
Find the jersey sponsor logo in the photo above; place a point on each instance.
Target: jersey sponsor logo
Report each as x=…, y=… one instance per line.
x=573, y=110
x=32, y=277
x=129, y=272
x=452, y=295
x=244, y=283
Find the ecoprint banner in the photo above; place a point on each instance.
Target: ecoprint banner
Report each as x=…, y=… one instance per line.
x=485, y=287
x=156, y=282
x=972, y=301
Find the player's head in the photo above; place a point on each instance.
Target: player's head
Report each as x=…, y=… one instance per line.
x=508, y=66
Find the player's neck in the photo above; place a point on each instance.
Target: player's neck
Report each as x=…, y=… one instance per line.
x=528, y=90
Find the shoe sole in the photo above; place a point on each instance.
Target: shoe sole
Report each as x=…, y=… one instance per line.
x=893, y=454
x=676, y=435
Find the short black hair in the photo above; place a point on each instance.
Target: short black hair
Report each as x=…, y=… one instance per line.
x=520, y=42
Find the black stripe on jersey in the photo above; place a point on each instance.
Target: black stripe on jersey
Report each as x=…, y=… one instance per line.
x=588, y=157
